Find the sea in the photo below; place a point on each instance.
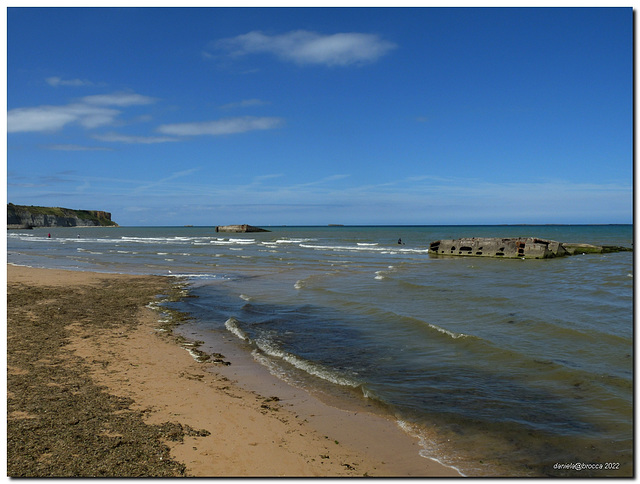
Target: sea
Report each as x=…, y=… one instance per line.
x=499, y=367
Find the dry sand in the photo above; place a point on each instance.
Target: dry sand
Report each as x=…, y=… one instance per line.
x=95, y=387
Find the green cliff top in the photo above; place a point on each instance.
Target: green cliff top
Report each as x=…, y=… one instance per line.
x=101, y=217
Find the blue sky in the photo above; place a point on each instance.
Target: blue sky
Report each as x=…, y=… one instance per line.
x=304, y=116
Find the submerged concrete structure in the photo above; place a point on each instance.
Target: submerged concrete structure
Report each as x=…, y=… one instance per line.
x=515, y=248
x=509, y=248
x=239, y=228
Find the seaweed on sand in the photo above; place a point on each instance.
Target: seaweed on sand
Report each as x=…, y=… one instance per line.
x=59, y=422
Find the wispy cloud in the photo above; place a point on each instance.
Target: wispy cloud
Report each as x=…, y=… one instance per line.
x=39, y=181
x=119, y=99
x=53, y=118
x=433, y=200
x=123, y=138
x=76, y=148
x=322, y=181
x=270, y=198
x=90, y=112
x=173, y=176
x=84, y=187
x=245, y=103
x=58, y=81
x=221, y=126
x=257, y=180
x=305, y=47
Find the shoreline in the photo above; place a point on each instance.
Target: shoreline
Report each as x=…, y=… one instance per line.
x=228, y=424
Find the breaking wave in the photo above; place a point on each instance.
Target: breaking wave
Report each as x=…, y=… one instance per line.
x=269, y=348
x=232, y=325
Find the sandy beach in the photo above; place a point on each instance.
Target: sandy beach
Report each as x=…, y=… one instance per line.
x=98, y=387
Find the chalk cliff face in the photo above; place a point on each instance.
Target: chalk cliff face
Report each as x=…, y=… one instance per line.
x=20, y=216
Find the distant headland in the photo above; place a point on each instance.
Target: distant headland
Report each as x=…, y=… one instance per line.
x=28, y=217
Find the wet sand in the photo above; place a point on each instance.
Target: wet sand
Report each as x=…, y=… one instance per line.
x=97, y=386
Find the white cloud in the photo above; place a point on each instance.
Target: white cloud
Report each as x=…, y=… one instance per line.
x=305, y=47
x=90, y=112
x=118, y=99
x=221, y=126
x=58, y=81
x=52, y=118
x=122, y=138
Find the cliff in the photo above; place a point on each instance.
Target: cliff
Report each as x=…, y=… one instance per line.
x=22, y=216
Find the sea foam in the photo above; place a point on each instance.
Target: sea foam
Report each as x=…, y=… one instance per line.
x=270, y=348
x=232, y=325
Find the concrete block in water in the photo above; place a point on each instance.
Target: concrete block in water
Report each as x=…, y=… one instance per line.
x=508, y=248
x=239, y=228
x=516, y=248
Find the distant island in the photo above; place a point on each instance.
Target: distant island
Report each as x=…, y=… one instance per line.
x=28, y=217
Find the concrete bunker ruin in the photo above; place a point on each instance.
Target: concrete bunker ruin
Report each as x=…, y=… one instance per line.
x=508, y=248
